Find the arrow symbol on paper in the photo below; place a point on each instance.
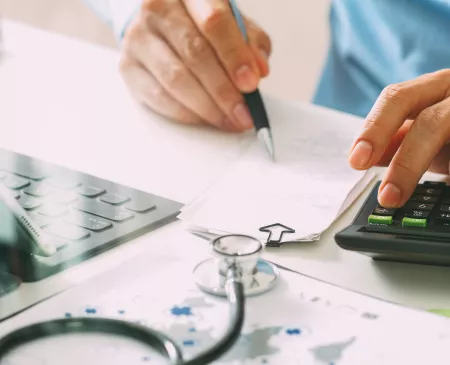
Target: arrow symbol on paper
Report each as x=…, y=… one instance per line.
x=276, y=232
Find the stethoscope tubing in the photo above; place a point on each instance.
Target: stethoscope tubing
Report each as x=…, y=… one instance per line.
x=156, y=340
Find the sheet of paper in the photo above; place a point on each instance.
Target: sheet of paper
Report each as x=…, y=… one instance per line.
x=300, y=321
x=305, y=189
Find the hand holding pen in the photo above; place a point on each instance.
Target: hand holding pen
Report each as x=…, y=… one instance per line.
x=189, y=61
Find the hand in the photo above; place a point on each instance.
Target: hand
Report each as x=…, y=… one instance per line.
x=188, y=61
x=408, y=129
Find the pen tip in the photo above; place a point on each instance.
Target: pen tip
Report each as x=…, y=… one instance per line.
x=266, y=138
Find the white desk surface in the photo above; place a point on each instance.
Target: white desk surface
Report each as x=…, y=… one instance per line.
x=62, y=100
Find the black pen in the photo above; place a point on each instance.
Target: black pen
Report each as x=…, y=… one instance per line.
x=253, y=99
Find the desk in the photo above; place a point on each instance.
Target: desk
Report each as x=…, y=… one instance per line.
x=63, y=101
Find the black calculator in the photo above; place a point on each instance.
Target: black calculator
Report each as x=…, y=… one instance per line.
x=418, y=232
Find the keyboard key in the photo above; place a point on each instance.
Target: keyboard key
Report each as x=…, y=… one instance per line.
x=63, y=197
x=28, y=202
x=141, y=205
x=87, y=221
x=39, y=190
x=114, y=199
x=15, y=182
x=90, y=191
x=419, y=206
x=417, y=214
x=414, y=222
x=29, y=171
x=445, y=208
x=62, y=182
x=67, y=231
x=428, y=191
x=103, y=210
x=52, y=210
x=425, y=198
x=380, y=219
x=40, y=219
x=58, y=242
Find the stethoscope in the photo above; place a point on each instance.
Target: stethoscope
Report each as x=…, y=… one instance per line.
x=235, y=271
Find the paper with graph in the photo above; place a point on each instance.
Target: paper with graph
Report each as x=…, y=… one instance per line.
x=301, y=321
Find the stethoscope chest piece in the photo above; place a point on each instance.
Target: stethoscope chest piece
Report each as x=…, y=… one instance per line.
x=257, y=275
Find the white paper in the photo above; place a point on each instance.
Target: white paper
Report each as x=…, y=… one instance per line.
x=306, y=188
x=300, y=321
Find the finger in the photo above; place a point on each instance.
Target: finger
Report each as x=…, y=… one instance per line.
x=440, y=163
x=216, y=22
x=147, y=90
x=160, y=60
x=394, y=144
x=197, y=54
x=396, y=104
x=426, y=137
x=260, y=44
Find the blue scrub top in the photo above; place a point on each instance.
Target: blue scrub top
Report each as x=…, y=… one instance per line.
x=375, y=43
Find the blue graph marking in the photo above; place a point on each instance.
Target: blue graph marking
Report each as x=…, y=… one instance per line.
x=68, y=315
x=294, y=331
x=146, y=358
x=91, y=310
x=181, y=311
x=264, y=361
x=192, y=330
x=188, y=343
x=121, y=311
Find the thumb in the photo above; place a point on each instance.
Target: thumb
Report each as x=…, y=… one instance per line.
x=260, y=43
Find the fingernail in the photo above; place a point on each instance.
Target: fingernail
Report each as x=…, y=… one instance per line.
x=264, y=53
x=243, y=116
x=246, y=78
x=360, y=155
x=390, y=196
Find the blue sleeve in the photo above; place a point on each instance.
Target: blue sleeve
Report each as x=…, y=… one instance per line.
x=116, y=13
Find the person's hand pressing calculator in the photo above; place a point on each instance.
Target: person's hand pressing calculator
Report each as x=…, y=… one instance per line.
x=408, y=129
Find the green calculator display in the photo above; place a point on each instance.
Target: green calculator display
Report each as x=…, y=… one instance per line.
x=418, y=232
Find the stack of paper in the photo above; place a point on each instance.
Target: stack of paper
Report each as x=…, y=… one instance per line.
x=305, y=189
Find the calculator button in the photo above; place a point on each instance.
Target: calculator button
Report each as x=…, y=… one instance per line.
x=414, y=222
x=428, y=191
x=445, y=208
x=425, y=198
x=379, y=210
x=417, y=214
x=443, y=217
x=379, y=219
x=420, y=206
x=435, y=183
